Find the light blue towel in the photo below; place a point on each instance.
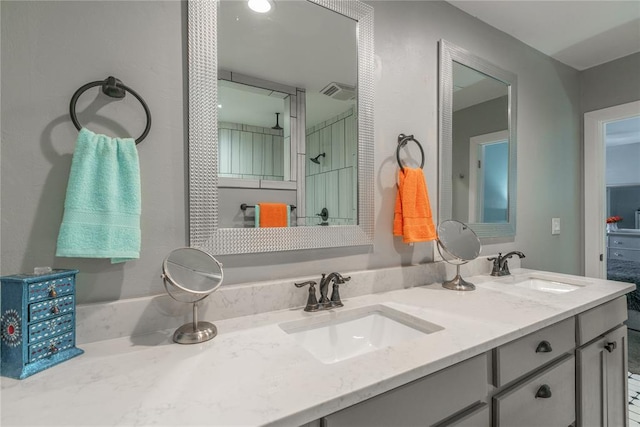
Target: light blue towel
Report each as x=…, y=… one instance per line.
x=102, y=206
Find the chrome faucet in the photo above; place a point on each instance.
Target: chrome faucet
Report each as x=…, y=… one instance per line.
x=500, y=265
x=325, y=303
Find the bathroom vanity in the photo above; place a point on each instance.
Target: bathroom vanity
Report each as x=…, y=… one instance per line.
x=532, y=348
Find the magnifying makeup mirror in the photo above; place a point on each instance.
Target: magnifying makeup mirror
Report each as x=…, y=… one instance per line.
x=189, y=276
x=458, y=244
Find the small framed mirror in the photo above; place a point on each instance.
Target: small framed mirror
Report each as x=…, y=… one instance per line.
x=190, y=275
x=457, y=244
x=478, y=103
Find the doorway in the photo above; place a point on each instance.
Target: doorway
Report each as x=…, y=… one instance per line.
x=612, y=203
x=595, y=184
x=488, y=178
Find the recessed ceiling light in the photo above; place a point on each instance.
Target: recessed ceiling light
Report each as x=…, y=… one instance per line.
x=260, y=6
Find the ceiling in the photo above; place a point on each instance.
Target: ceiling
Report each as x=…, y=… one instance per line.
x=289, y=45
x=581, y=34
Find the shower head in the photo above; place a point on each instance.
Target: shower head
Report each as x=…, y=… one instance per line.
x=315, y=159
x=277, y=126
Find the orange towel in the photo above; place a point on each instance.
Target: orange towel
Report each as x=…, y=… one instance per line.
x=412, y=215
x=273, y=214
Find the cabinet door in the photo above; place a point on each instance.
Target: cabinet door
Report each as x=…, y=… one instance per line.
x=602, y=381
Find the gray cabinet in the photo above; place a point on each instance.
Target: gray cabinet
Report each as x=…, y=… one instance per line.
x=540, y=379
x=624, y=247
x=545, y=399
x=602, y=381
x=535, y=376
x=602, y=365
x=453, y=391
x=532, y=351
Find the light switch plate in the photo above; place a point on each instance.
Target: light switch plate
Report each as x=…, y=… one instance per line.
x=555, y=225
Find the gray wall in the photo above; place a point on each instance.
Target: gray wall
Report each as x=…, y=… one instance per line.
x=621, y=166
x=49, y=49
x=487, y=117
x=614, y=83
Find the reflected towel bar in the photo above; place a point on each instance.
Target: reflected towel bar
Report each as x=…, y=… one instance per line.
x=244, y=206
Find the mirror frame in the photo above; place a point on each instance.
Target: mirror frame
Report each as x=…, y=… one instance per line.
x=449, y=53
x=203, y=146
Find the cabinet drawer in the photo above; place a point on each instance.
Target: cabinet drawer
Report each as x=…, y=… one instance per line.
x=547, y=399
x=50, y=347
x=50, y=328
x=523, y=355
x=423, y=402
x=477, y=416
x=51, y=289
x=45, y=309
x=625, y=242
x=625, y=254
x=601, y=319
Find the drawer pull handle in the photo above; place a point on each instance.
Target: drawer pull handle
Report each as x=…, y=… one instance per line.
x=544, y=392
x=55, y=309
x=53, y=348
x=52, y=291
x=544, y=347
x=610, y=346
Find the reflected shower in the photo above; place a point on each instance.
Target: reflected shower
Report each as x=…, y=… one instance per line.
x=277, y=126
x=316, y=158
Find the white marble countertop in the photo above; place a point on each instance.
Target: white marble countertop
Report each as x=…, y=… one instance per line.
x=253, y=373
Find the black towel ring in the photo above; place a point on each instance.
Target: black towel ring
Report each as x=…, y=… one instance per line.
x=116, y=89
x=402, y=141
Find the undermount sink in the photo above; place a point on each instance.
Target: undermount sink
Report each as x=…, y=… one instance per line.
x=335, y=336
x=548, y=285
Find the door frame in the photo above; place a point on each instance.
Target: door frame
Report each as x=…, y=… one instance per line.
x=594, y=179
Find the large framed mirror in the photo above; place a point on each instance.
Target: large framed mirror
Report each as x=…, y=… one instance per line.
x=316, y=159
x=478, y=103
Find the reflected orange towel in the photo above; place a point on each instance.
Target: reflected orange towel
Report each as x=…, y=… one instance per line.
x=412, y=215
x=273, y=214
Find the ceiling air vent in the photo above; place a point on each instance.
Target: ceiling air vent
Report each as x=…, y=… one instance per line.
x=339, y=91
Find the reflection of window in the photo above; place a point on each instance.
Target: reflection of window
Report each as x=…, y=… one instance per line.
x=489, y=178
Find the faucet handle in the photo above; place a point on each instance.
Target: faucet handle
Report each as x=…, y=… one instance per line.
x=311, y=283
x=495, y=270
x=335, y=296
x=312, y=300
x=505, y=268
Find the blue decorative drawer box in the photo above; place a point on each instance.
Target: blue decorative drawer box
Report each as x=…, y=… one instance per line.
x=38, y=322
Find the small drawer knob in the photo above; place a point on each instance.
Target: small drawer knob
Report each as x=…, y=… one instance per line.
x=53, y=348
x=610, y=346
x=52, y=292
x=544, y=347
x=544, y=392
x=55, y=309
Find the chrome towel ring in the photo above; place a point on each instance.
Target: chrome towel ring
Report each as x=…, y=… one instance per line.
x=402, y=141
x=116, y=89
